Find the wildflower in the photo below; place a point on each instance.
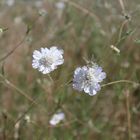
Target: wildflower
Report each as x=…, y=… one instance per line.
x=87, y=79
x=10, y=2
x=60, y=5
x=56, y=118
x=47, y=60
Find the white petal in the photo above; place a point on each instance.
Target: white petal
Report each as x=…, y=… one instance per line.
x=97, y=87
x=35, y=65
x=56, y=51
x=54, y=122
x=101, y=76
x=77, y=70
x=98, y=70
x=41, y=68
x=37, y=55
x=56, y=118
x=61, y=51
x=46, y=70
x=53, y=48
x=84, y=68
x=59, y=62
x=53, y=66
x=92, y=91
x=44, y=51
x=86, y=89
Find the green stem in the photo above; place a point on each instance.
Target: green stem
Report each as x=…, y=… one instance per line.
x=120, y=81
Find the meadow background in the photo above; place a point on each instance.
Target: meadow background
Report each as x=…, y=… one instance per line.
x=84, y=29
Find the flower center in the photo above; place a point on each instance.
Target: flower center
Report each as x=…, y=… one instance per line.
x=90, y=76
x=46, y=61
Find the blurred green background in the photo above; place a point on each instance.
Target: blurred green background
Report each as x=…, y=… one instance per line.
x=84, y=29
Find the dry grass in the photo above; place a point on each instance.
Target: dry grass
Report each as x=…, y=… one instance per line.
x=84, y=29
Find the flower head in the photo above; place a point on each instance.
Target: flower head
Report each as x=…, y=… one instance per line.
x=47, y=60
x=56, y=118
x=87, y=79
x=60, y=5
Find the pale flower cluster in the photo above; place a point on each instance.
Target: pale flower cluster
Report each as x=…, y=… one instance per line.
x=86, y=78
x=47, y=60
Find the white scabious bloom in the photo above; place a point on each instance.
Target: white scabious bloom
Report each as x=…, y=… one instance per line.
x=60, y=5
x=87, y=79
x=56, y=118
x=47, y=59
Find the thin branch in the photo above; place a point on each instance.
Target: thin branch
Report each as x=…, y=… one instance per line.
x=122, y=5
x=6, y=81
x=12, y=51
x=121, y=30
x=24, y=113
x=84, y=10
x=29, y=28
x=5, y=124
x=120, y=81
x=128, y=115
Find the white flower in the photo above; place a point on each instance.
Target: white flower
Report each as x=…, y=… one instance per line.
x=87, y=79
x=60, y=5
x=47, y=60
x=56, y=118
x=10, y=2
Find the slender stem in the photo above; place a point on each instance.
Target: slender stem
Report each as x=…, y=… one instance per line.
x=7, y=82
x=5, y=124
x=120, y=32
x=122, y=5
x=24, y=113
x=13, y=50
x=120, y=81
x=128, y=115
x=51, y=78
x=20, y=43
x=81, y=8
